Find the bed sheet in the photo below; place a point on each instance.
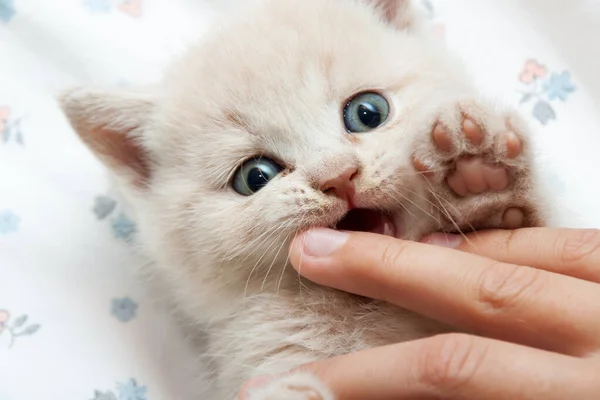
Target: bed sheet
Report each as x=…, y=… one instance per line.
x=74, y=322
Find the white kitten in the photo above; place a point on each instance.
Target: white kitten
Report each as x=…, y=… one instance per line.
x=338, y=105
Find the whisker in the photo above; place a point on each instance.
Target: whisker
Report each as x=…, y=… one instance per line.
x=256, y=265
x=416, y=205
x=426, y=199
x=448, y=215
x=285, y=264
x=271, y=231
x=274, y=260
x=403, y=205
x=240, y=240
x=299, y=272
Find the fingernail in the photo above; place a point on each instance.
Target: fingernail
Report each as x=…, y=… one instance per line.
x=321, y=242
x=444, y=240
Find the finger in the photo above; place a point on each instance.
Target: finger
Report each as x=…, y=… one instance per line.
x=456, y=367
x=505, y=301
x=573, y=252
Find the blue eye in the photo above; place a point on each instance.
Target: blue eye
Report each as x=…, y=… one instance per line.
x=366, y=112
x=254, y=174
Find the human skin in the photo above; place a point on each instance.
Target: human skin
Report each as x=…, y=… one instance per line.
x=532, y=296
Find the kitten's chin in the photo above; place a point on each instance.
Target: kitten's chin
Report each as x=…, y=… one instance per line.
x=365, y=220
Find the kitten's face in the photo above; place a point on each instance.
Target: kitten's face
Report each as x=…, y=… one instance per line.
x=259, y=131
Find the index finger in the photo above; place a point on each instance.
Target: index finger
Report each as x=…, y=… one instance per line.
x=505, y=301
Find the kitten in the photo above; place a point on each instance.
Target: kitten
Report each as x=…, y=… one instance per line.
x=296, y=114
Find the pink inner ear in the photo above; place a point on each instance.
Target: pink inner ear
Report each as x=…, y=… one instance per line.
x=389, y=7
x=122, y=152
x=396, y=12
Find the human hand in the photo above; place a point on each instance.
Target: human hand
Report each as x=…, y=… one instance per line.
x=533, y=294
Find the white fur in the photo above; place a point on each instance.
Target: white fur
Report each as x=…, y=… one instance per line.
x=272, y=79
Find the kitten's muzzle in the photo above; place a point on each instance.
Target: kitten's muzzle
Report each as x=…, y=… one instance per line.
x=342, y=186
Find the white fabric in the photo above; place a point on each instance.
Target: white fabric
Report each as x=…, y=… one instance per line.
x=63, y=239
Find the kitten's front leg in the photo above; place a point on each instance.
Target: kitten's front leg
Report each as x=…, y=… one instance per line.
x=480, y=168
x=294, y=386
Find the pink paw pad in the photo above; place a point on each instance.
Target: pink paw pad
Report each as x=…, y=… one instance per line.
x=473, y=174
x=513, y=218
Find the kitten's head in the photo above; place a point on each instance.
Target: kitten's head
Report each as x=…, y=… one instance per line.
x=290, y=114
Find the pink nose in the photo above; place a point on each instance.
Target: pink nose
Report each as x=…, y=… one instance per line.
x=341, y=186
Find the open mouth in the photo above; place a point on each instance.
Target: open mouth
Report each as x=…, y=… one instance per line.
x=365, y=220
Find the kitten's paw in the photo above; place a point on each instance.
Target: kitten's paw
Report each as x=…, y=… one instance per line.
x=479, y=168
x=297, y=386
x=472, y=172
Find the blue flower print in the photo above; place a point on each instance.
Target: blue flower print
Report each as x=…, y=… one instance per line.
x=17, y=327
x=107, y=208
x=123, y=228
x=131, y=391
x=7, y=10
x=10, y=128
x=126, y=391
x=124, y=309
x=104, y=396
x=103, y=207
x=559, y=86
x=544, y=112
x=9, y=222
x=98, y=6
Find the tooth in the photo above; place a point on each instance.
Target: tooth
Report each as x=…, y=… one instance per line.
x=388, y=228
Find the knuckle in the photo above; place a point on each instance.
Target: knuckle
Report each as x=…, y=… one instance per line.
x=579, y=245
x=447, y=363
x=503, y=287
x=506, y=241
x=392, y=259
x=392, y=254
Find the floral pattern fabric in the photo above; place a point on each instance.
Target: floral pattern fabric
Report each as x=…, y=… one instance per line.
x=544, y=88
x=75, y=322
x=16, y=328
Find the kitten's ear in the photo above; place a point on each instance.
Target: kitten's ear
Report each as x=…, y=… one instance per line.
x=112, y=126
x=400, y=13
